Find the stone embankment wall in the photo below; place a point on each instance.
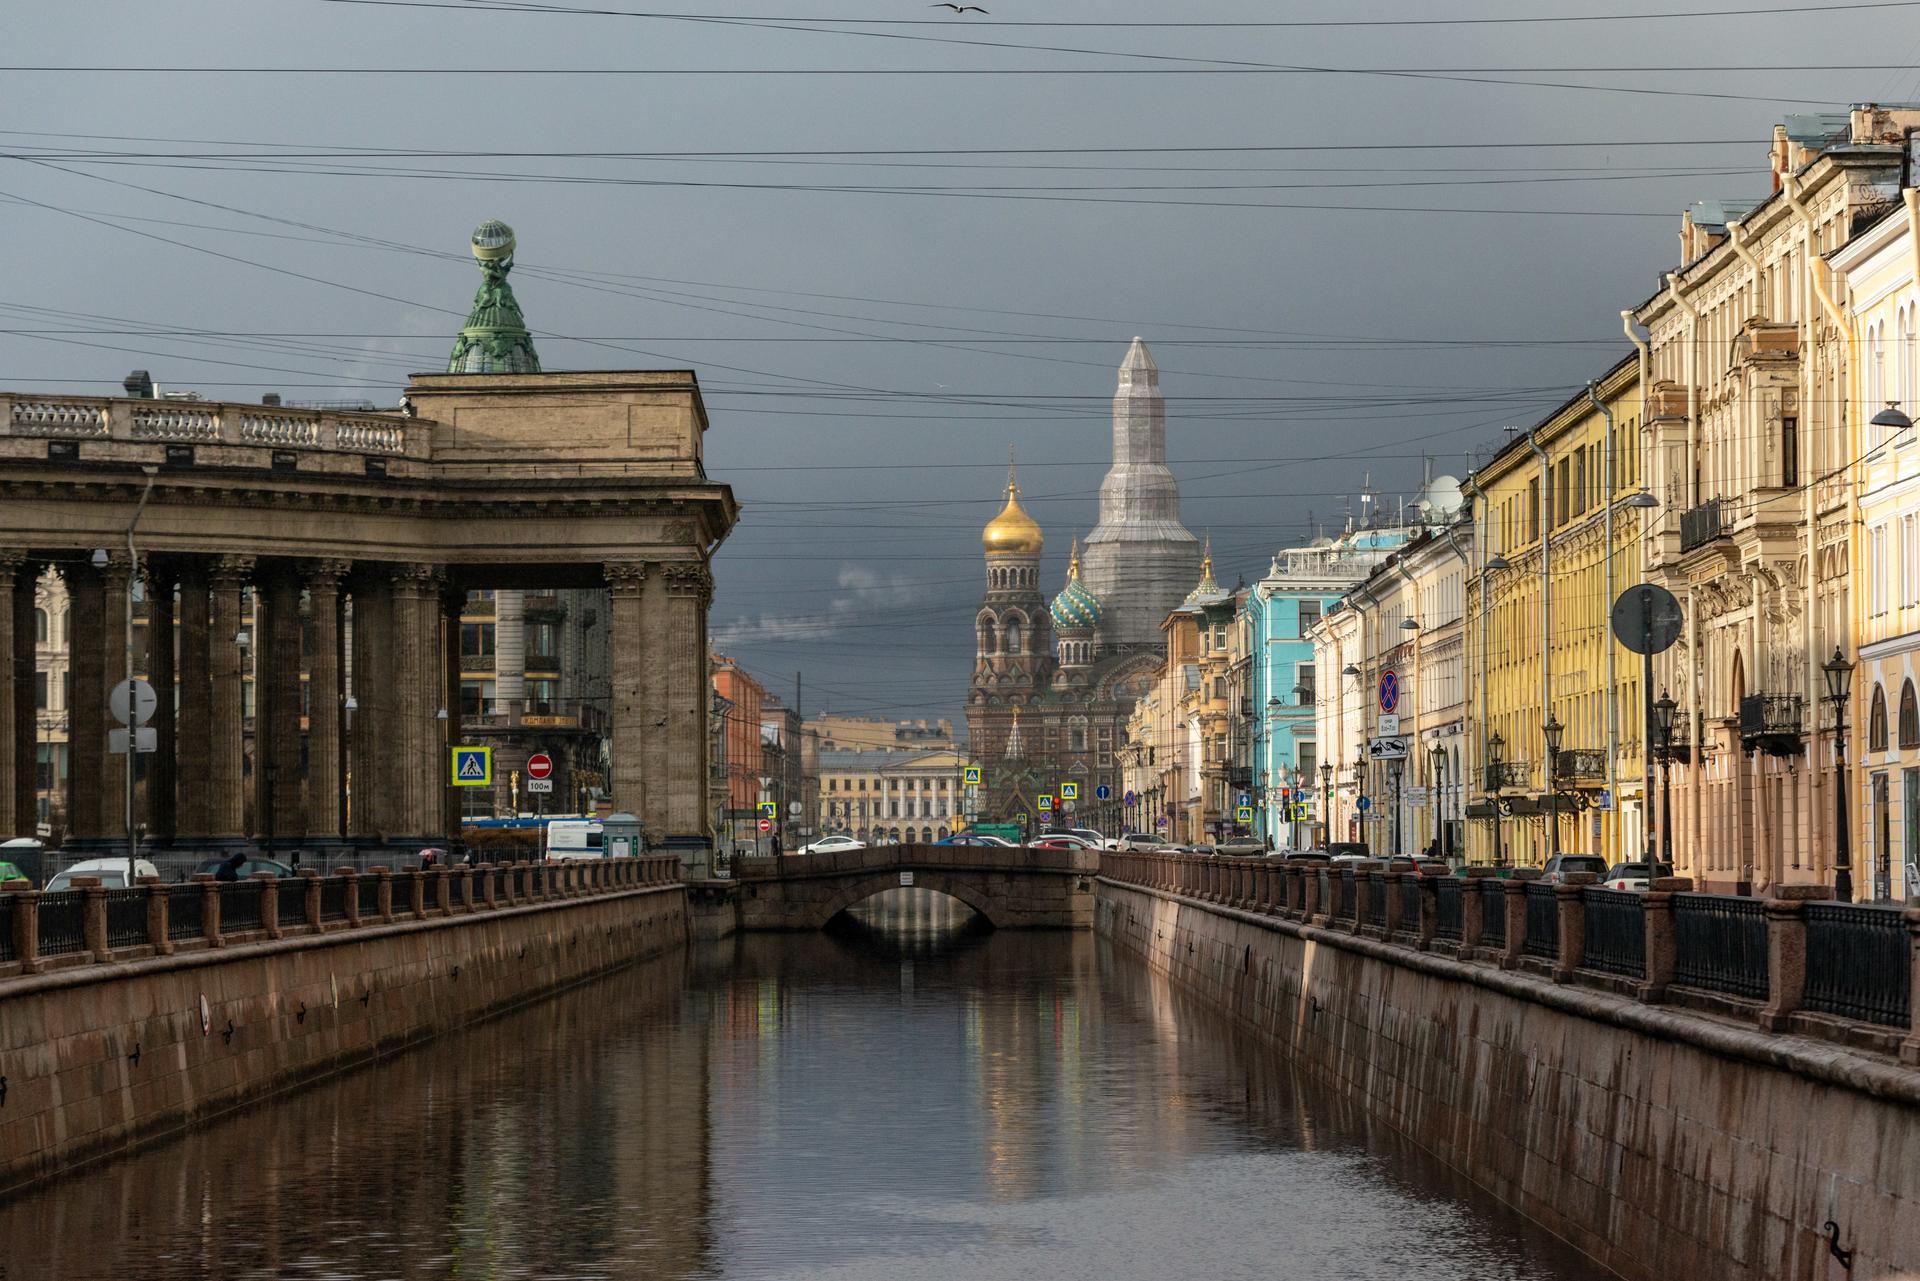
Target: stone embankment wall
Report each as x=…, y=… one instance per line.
x=1662, y=1142
x=97, y=1057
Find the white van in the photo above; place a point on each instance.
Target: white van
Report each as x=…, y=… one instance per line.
x=573, y=838
x=111, y=871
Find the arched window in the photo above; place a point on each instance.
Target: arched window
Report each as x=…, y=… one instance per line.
x=1877, y=721
x=40, y=626
x=1012, y=636
x=926, y=836
x=1909, y=717
x=986, y=635
x=944, y=833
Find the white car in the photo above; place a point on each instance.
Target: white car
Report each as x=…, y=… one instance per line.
x=111, y=871
x=831, y=845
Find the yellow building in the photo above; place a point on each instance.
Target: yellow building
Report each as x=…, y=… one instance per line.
x=1539, y=646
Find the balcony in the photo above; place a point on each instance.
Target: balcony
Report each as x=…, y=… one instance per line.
x=1508, y=774
x=1681, y=750
x=1240, y=776
x=1582, y=765
x=1772, y=723
x=1701, y=525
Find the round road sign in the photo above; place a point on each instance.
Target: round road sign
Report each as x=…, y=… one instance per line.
x=766, y=825
x=1646, y=619
x=133, y=699
x=1389, y=691
x=539, y=765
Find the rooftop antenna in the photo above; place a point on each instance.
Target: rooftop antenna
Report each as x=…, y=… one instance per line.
x=1426, y=470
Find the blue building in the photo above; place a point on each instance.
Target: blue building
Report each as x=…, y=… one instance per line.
x=1302, y=584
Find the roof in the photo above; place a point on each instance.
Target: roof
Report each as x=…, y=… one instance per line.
x=888, y=762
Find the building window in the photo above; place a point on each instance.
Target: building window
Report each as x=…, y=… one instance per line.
x=1309, y=615
x=40, y=691
x=40, y=626
x=1012, y=636
x=1790, y=450
x=1909, y=718
x=476, y=640
x=542, y=697
x=1304, y=677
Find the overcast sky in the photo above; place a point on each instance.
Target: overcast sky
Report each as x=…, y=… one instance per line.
x=868, y=355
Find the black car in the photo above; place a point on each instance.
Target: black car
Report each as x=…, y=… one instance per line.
x=247, y=867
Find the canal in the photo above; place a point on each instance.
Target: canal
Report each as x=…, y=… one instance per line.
x=906, y=1098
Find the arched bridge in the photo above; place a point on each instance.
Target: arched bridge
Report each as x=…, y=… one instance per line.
x=1012, y=887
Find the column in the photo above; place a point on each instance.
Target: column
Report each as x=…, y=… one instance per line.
x=24, y=780
x=86, y=700
x=626, y=582
x=193, y=726
x=452, y=601
x=326, y=748
x=13, y=819
x=277, y=783
x=419, y=766
x=689, y=589
x=110, y=642
x=226, y=773
x=161, y=765
x=372, y=783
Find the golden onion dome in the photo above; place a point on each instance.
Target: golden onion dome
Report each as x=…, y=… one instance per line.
x=1012, y=532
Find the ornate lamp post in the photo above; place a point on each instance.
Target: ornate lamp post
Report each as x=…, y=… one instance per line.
x=1839, y=674
x=1496, y=747
x=1663, y=727
x=1326, y=799
x=1438, y=755
x=1551, y=731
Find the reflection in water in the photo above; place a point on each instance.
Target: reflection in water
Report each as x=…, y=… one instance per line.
x=906, y=1097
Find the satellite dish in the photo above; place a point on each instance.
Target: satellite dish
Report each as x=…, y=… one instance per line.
x=1441, y=496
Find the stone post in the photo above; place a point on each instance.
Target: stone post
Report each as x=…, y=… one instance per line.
x=209, y=909
x=93, y=917
x=310, y=885
x=1786, y=953
x=351, y=895
x=1355, y=888
x=489, y=879
x=1572, y=914
x=443, y=890
x=1910, y=1048
x=417, y=894
x=26, y=925
x=464, y=875
x=1657, y=905
x=269, y=903
x=225, y=786
x=383, y=896
x=1429, y=925
x=1472, y=903
x=1516, y=903
x=157, y=904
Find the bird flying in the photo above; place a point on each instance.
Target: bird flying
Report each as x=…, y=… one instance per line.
x=959, y=8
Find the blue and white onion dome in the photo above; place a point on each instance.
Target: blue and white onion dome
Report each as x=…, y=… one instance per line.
x=1075, y=609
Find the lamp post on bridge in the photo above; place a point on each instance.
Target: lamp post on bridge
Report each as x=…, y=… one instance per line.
x=1839, y=674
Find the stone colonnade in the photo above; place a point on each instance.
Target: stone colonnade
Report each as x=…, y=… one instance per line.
x=384, y=635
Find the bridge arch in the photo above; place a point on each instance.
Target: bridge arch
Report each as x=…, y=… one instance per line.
x=962, y=886
x=1009, y=887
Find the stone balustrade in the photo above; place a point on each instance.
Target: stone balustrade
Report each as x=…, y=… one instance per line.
x=91, y=924
x=192, y=422
x=1839, y=972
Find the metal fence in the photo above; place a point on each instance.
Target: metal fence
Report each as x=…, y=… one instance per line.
x=127, y=917
x=1493, y=912
x=403, y=883
x=185, y=917
x=1349, y=901
x=1377, y=900
x=333, y=898
x=240, y=906
x=1858, y=962
x=1410, y=903
x=369, y=885
x=1720, y=943
x=1616, y=932
x=1449, y=911
x=63, y=922
x=1543, y=921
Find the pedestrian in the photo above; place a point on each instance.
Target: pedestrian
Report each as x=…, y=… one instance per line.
x=230, y=869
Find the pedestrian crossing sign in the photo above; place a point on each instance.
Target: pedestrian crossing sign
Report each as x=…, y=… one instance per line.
x=972, y=777
x=473, y=767
x=1046, y=804
x=769, y=809
x=1069, y=791
x=1245, y=814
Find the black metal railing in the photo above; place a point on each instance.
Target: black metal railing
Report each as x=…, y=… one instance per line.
x=1410, y=903
x=1508, y=774
x=127, y=916
x=1349, y=901
x=186, y=918
x=1701, y=525
x=1582, y=764
x=1616, y=927
x=1771, y=723
x=1493, y=912
x=240, y=906
x=63, y=922
x=1859, y=964
x=1377, y=901
x=369, y=896
x=1448, y=913
x=539, y=880
x=1543, y=921
x=1720, y=943
x=6, y=927
x=403, y=883
x=333, y=898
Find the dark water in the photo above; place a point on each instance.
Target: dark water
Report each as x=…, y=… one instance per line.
x=906, y=1102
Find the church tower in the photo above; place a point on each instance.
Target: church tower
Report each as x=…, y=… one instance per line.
x=1076, y=622
x=1013, y=652
x=1140, y=559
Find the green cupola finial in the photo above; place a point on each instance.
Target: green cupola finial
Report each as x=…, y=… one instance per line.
x=495, y=338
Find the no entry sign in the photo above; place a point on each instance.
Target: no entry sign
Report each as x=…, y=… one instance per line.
x=539, y=765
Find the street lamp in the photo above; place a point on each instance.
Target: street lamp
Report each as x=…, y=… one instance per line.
x=1551, y=731
x=1663, y=727
x=1326, y=798
x=1496, y=745
x=1494, y=563
x=1890, y=419
x=1839, y=674
x=1438, y=756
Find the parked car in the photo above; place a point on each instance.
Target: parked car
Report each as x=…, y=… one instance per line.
x=111, y=871
x=1423, y=865
x=1350, y=849
x=1093, y=839
x=1560, y=864
x=1633, y=876
x=832, y=845
x=1144, y=843
x=975, y=838
x=1058, y=841
x=247, y=867
x=1241, y=849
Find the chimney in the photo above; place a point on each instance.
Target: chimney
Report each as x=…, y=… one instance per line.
x=139, y=385
x=271, y=398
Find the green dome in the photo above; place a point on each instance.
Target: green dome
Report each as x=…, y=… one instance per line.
x=495, y=339
x=1075, y=609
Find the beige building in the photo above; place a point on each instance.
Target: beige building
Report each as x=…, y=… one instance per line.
x=890, y=797
x=1753, y=438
